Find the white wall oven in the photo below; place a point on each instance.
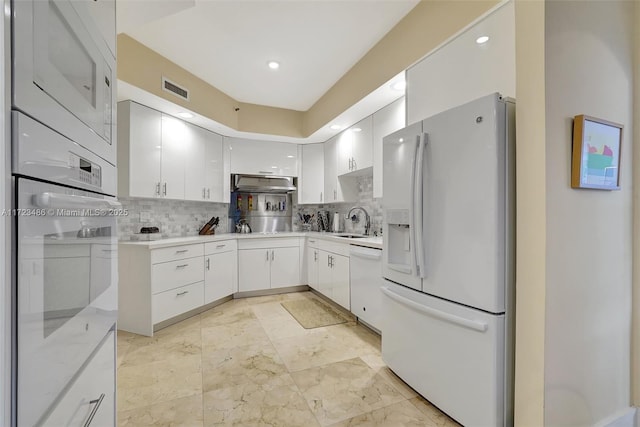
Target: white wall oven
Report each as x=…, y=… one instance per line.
x=63, y=72
x=66, y=255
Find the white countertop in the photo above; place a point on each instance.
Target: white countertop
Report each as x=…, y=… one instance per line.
x=370, y=242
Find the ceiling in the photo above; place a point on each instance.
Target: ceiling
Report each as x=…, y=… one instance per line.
x=228, y=43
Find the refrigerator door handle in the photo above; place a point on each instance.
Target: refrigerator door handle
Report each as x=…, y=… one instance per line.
x=412, y=204
x=447, y=317
x=419, y=206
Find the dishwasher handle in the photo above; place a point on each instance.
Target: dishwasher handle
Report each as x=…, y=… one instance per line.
x=375, y=254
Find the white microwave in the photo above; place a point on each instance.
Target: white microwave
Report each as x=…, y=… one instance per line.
x=64, y=73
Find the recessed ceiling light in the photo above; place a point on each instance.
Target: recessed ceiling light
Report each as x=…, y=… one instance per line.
x=274, y=167
x=482, y=39
x=399, y=85
x=336, y=127
x=185, y=115
x=274, y=65
x=401, y=140
x=356, y=130
x=290, y=157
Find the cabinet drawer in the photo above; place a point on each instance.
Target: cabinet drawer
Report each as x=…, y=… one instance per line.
x=93, y=390
x=334, y=247
x=174, y=253
x=177, y=301
x=220, y=247
x=274, y=242
x=313, y=243
x=170, y=275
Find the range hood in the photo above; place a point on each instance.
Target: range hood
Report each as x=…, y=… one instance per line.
x=263, y=184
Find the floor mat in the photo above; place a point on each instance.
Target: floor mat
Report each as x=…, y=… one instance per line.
x=313, y=313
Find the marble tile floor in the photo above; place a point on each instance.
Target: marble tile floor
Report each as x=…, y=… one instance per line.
x=248, y=362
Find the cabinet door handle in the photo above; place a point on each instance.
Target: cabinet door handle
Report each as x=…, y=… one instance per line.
x=182, y=265
x=96, y=402
x=164, y=189
x=335, y=194
x=182, y=251
x=328, y=261
x=208, y=193
x=349, y=163
x=203, y=192
x=179, y=294
x=208, y=263
x=321, y=196
x=272, y=256
x=220, y=246
x=158, y=189
x=267, y=255
x=353, y=163
x=315, y=255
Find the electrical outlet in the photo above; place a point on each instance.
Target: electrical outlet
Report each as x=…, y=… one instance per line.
x=145, y=216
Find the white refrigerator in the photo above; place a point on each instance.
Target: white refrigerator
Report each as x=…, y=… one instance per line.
x=448, y=259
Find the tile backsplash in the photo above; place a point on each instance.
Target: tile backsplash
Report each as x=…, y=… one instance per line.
x=174, y=218
x=179, y=218
x=365, y=200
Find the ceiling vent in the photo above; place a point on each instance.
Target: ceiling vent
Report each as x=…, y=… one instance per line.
x=179, y=91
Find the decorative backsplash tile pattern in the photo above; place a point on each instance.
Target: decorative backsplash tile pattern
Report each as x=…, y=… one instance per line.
x=365, y=200
x=179, y=218
x=174, y=218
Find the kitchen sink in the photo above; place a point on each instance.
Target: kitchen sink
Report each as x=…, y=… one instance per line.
x=351, y=236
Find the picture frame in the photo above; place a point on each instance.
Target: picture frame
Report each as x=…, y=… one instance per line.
x=596, y=153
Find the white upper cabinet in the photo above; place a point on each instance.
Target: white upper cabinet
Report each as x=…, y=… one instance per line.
x=214, y=169
x=175, y=139
x=330, y=170
x=355, y=147
x=336, y=188
x=139, y=150
x=311, y=176
x=385, y=121
x=362, y=144
x=254, y=157
x=464, y=70
x=203, y=165
x=161, y=156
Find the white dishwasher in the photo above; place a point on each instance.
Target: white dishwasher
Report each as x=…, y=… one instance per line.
x=366, y=281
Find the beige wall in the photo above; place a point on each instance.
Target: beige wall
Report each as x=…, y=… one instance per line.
x=531, y=214
x=588, y=70
x=428, y=25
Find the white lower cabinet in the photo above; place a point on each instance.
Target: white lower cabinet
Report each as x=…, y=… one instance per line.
x=220, y=270
x=313, y=263
x=328, y=270
x=268, y=264
x=174, y=302
x=90, y=401
x=158, y=284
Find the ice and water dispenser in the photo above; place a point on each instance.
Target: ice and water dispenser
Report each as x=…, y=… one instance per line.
x=399, y=240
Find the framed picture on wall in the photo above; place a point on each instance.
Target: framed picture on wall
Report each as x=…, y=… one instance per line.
x=595, y=153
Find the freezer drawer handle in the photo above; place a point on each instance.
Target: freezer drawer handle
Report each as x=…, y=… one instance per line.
x=457, y=320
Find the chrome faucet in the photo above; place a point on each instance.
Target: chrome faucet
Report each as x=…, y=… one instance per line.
x=367, y=224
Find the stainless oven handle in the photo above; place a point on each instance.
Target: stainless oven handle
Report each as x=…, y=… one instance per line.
x=69, y=201
x=97, y=402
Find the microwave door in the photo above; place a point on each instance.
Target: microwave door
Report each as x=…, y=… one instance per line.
x=68, y=66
